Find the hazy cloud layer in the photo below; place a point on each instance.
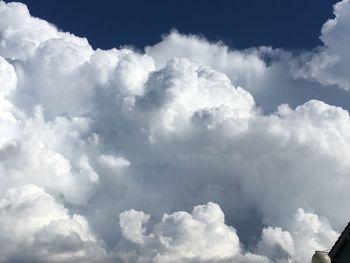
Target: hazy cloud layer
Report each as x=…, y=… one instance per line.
x=188, y=152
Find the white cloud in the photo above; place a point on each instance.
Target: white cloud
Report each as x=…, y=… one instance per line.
x=242, y=67
x=276, y=244
x=113, y=162
x=34, y=227
x=181, y=237
x=305, y=231
x=22, y=34
x=88, y=134
x=329, y=66
x=174, y=93
x=42, y=153
x=203, y=236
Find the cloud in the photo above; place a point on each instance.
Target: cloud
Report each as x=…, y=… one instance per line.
x=329, y=65
x=35, y=154
x=35, y=228
x=304, y=232
x=203, y=236
x=87, y=135
x=242, y=67
x=182, y=237
x=21, y=37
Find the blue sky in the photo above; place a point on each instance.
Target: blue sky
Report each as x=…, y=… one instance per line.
x=240, y=23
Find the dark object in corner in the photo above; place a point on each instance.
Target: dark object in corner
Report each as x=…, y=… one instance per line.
x=340, y=252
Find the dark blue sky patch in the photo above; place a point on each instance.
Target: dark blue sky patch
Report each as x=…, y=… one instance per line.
x=291, y=24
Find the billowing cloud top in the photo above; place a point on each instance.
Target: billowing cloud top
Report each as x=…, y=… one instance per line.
x=187, y=152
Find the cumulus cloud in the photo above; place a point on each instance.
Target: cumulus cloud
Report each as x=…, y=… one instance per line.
x=179, y=237
x=36, y=228
x=87, y=135
x=242, y=67
x=303, y=233
x=203, y=236
x=329, y=66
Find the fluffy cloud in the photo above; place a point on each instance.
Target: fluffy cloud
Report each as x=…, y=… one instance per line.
x=35, y=153
x=304, y=232
x=87, y=135
x=35, y=228
x=203, y=236
x=179, y=237
x=329, y=66
x=242, y=67
x=21, y=37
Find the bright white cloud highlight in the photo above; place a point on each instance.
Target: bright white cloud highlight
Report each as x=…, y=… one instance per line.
x=199, y=236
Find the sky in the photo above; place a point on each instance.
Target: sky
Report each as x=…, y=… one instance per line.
x=153, y=132
x=242, y=24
